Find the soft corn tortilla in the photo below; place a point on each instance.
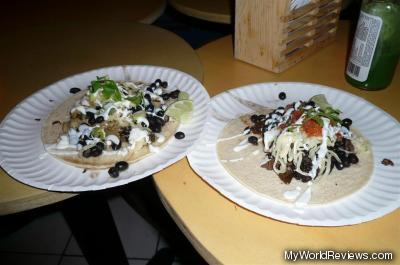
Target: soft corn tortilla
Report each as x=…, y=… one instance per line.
x=245, y=166
x=52, y=130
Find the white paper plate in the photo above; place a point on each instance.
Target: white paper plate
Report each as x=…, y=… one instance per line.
x=23, y=156
x=380, y=196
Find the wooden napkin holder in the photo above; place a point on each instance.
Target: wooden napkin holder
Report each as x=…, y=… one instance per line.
x=269, y=35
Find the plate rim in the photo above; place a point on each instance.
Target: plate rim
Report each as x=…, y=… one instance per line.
x=39, y=185
x=299, y=221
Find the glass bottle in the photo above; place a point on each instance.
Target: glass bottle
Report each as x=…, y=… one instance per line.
x=376, y=45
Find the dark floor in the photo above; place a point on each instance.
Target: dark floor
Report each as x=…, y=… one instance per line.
x=47, y=240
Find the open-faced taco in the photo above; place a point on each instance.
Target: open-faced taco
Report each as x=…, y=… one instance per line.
x=302, y=153
x=114, y=121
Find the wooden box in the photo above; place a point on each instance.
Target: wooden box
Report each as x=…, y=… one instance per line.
x=269, y=35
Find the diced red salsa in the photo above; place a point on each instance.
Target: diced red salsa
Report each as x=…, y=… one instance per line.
x=312, y=128
x=295, y=116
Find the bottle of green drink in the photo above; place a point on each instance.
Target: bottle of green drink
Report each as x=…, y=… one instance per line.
x=376, y=45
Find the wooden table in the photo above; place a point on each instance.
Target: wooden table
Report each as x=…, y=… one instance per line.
x=211, y=10
x=225, y=233
x=21, y=13
x=40, y=55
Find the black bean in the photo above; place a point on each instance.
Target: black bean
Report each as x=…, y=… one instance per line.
x=165, y=96
x=179, y=135
x=152, y=85
x=282, y=96
x=74, y=90
x=95, y=151
x=115, y=146
x=160, y=113
x=87, y=153
x=92, y=121
x=164, y=84
x=99, y=119
x=346, y=162
x=122, y=165
x=310, y=103
x=149, y=108
x=174, y=94
x=98, y=107
x=135, y=109
x=253, y=140
x=254, y=118
x=347, y=122
x=149, y=89
x=89, y=114
x=155, y=128
x=157, y=82
x=353, y=158
x=338, y=165
x=306, y=164
x=159, y=120
x=341, y=154
x=100, y=145
x=82, y=142
x=154, y=119
x=150, y=118
x=305, y=179
x=113, y=172
x=148, y=97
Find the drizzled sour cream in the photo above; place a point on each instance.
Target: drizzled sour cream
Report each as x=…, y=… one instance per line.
x=108, y=111
x=286, y=141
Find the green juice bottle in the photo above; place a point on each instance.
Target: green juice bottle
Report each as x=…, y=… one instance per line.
x=376, y=45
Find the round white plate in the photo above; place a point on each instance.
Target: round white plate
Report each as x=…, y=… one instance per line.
x=23, y=156
x=380, y=196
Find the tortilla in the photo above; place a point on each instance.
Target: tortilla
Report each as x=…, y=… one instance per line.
x=52, y=130
x=243, y=161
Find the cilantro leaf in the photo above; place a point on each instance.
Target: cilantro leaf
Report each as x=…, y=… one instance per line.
x=136, y=100
x=109, y=88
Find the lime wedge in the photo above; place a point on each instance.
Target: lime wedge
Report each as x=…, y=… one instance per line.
x=181, y=110
x=183, y=95
x=321, y=101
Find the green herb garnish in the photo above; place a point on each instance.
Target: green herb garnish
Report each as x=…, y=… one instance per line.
x=98, y=132
x=329, y=112
x=136, y=100
x=108, y=86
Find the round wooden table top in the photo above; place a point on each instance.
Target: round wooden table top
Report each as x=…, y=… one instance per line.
x=38, y=56
x=224, y=232
x=18, y=13
x=211, y=10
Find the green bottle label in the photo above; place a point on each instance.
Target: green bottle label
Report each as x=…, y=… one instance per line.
x=364, y=44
